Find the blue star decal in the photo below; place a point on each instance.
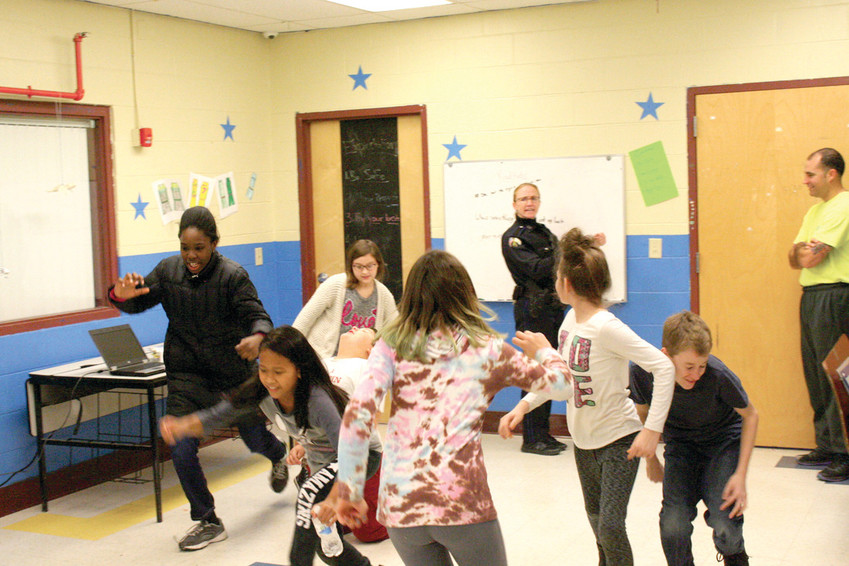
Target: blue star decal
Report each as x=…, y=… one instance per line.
x=139, y=206
x=360, y=78
x=650, y=107
x=228, y=129
x=454, y=149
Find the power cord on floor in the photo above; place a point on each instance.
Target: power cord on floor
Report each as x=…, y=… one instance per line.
x=40, y=449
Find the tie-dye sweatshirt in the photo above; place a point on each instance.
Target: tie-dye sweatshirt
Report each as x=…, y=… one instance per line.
x=433, y=469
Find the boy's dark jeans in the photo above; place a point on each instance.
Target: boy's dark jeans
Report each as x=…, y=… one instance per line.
x=692, y=473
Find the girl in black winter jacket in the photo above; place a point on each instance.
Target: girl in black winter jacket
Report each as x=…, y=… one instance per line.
x=215, y=325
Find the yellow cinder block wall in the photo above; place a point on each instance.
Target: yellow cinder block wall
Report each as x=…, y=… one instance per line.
x=536, y=82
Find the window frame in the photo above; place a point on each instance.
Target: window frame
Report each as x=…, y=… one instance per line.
x=103, y=228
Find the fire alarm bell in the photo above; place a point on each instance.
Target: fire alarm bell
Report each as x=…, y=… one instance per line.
x=145, y=137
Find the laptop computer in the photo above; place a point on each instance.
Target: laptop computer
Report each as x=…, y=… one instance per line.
x=122, y=353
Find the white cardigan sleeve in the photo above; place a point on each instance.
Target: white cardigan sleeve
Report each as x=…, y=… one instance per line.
x=319, y=319
x=386, y=308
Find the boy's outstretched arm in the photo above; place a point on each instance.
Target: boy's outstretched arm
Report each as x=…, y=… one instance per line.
x=734, y=495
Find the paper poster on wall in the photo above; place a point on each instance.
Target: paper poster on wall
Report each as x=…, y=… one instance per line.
x=251, y=185
x=169, y=196
x=226, y=185
x=199, y=190
x=654, y=175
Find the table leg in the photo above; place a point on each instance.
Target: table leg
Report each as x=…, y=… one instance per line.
x=40, y=446
x=154, y=443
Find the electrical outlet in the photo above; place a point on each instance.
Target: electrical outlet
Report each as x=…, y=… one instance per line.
x=258, y=256
x=655, y=248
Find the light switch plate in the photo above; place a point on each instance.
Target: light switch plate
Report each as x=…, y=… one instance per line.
x=258, y=256
x=655, y=248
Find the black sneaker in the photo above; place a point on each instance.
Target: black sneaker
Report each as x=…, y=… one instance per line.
x=201, y=535
x=551, y=441
x=837, y=471
x=540, y=447
x=302, y=476
x=740, y=559
x=816, y=457
x=279, y=475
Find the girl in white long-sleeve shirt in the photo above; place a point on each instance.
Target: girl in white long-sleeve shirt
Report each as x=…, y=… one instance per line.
x=608, y=434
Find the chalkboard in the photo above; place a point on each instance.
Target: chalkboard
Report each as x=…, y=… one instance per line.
x=370, y=190
x=587, y=192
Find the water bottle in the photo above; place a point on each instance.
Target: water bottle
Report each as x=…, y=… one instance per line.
x=331, y=542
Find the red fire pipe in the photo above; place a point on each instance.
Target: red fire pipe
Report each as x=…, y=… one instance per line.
x=76, y=95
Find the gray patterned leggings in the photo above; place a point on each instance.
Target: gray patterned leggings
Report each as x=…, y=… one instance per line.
x=470, y=545
x=607, y=478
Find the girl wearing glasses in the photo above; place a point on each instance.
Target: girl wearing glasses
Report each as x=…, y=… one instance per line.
x=354, y=299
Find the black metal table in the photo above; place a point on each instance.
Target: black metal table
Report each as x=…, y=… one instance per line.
x=73, y=381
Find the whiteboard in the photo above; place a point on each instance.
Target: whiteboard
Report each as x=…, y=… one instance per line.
x=587, y=192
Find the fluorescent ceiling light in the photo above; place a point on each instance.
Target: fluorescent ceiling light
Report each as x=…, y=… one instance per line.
x=387, y=5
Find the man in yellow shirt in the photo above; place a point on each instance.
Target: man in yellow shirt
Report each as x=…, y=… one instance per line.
x=821, y=252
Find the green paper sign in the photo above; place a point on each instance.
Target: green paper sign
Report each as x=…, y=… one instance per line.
x=653, y=173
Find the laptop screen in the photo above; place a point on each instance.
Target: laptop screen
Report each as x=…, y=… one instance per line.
x=118, y=345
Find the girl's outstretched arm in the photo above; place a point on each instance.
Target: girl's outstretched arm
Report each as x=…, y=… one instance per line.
x=325, y=511
x=511, y=420
x=198, y=423
x=296, y=455
x=130, y=286
x=358, y=421
x=352, y=514
x=530, y=342
x=617, y=337
x=644, y=445
x=173, y=428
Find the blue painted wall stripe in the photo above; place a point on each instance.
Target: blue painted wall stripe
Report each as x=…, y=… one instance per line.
x=656, y=289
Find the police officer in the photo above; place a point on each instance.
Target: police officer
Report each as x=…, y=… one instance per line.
x=529, y=250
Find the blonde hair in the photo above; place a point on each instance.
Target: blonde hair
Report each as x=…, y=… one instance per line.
x=516, y=190
x=686, y=331
x=438, y=295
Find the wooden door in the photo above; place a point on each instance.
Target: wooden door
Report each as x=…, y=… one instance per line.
x=751, y=147
x=320, y=190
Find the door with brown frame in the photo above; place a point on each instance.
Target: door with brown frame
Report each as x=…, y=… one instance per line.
x=320, y=189
x=746, y=206
x=323, y=214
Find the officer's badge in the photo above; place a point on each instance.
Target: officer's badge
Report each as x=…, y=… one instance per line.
x=514, y=242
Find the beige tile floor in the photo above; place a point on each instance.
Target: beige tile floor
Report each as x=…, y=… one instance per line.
x=793, y=518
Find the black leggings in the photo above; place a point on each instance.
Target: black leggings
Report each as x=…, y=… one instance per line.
x=306, y=542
